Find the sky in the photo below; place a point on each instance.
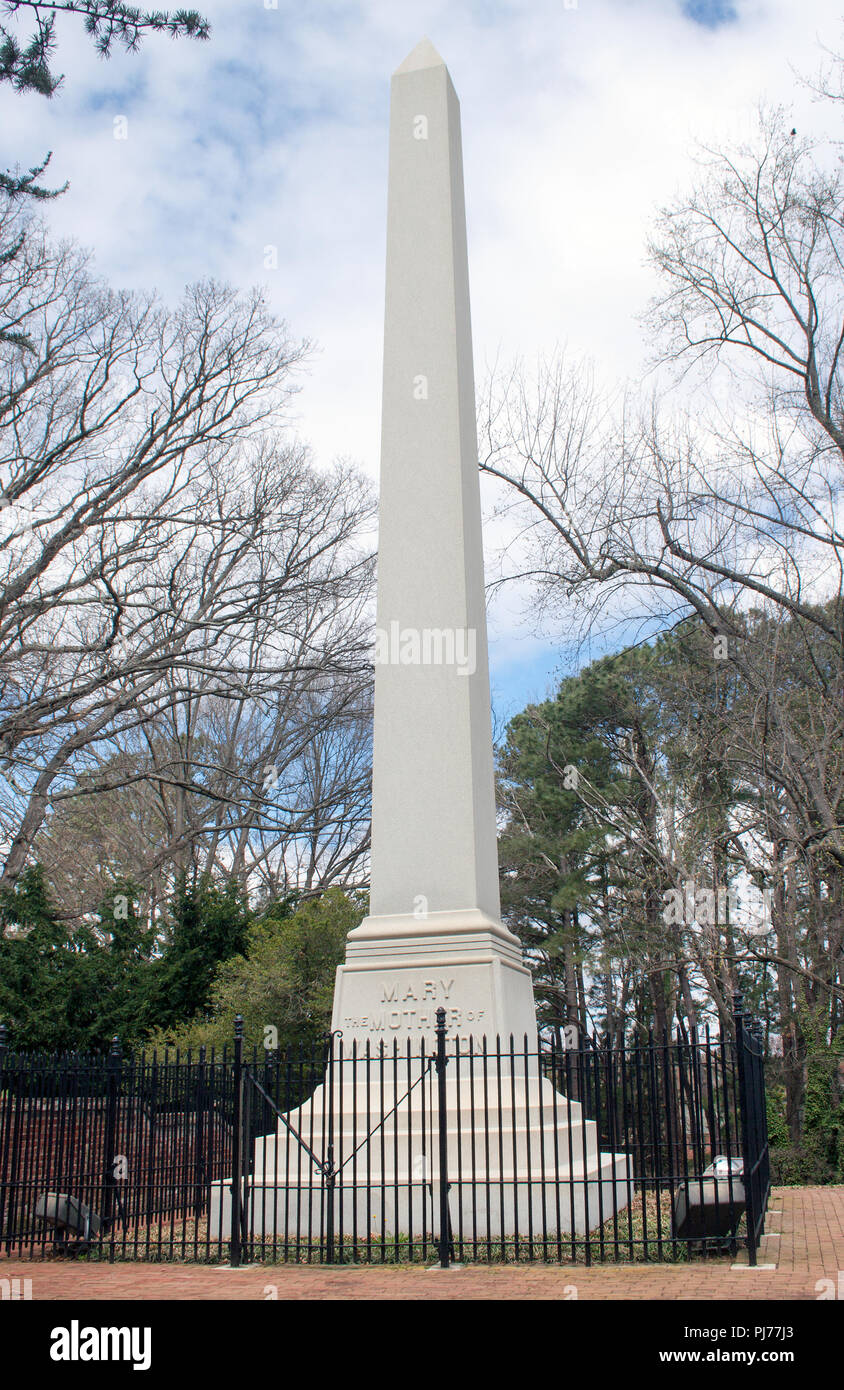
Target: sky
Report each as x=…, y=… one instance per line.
x=260, y=158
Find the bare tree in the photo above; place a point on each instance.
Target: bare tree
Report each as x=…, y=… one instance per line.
x=725, y=507
x=177, y=582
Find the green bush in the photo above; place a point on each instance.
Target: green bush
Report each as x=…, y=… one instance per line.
x=283, y=980
x=819, y=1158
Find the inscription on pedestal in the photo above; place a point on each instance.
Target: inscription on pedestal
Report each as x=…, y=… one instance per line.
x=412, y=1004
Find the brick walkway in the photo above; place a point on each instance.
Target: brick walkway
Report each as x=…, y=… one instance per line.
x=805, y=1242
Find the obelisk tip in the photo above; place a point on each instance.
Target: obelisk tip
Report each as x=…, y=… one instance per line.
x=424, y=55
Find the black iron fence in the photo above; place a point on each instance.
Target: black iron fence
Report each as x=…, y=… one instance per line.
x=652, y=1150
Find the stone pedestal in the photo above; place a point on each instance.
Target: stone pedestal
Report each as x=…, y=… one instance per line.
x=399, y=971
x=520, y=1158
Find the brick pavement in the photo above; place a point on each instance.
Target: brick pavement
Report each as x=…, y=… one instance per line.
x=805, y=1243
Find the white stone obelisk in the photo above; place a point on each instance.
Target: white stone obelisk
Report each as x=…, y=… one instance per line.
x=434, y=935
x=434, y=938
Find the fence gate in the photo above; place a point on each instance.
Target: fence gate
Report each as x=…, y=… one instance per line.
x=356, y=1164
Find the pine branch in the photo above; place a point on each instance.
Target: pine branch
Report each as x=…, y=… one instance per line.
x=23, y=185
x=28, y=69
x=18, y=340
x=107, y=21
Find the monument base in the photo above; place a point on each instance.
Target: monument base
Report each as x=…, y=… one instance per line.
x=399, y=970
x=361, y=1158
x=521, y=1159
